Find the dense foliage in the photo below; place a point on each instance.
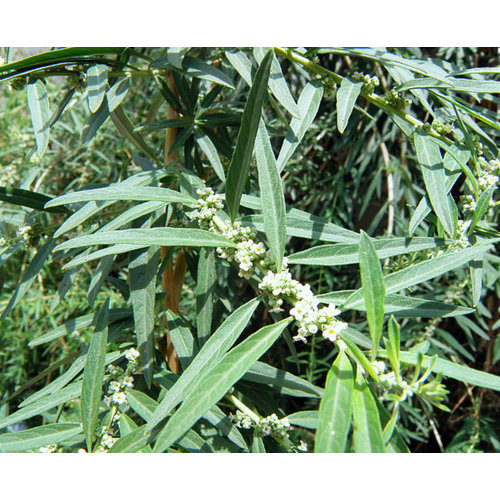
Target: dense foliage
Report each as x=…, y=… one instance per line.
x=249, y=250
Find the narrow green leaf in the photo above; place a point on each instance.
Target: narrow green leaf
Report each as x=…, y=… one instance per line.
x=200, y=69
x=281, y=381
x=435, y=179
x=335, y=408
x=394, y=344
x=242, y=155
x=217, y=382
x=38, y=103
x=207, y=146
x=476, y=274
x=213, y=349
x=143, y=268
x=271, y=193
x=182, y=338
x=73, y=325
x=93, y=375
x=117, y=93
x=97, y=78
x=87, y=256
x=347, y=94
x=29, y=276
x=367, y=431
x=312, y=228
x=372, y=280
x=29, y=439
x=241, y=63
x=51, y=401
x=308, y=419
x=277, y=82
x=205, y=294
x=424, y=271
x=99, y=276
x=162, y=236
x=342, y=254
x=29, y=199
x=308, y=105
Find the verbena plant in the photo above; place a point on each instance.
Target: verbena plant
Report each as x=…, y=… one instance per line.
x=233, y=302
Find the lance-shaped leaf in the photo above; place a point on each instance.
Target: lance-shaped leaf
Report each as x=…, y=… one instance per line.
x=143, y=267
x=205, y=294
x=308, y=105
x=346, y=98
x=93, y=375
x=242, y=155
x=277, y=83
x=207, y=146
x=163, y=236
x=14, y=442
x=335, y=408
x=372, y=280
x=182, y=338
x=29, y=199
x=435, y=179
x=46, y=403
x=97, y=78
x=29, y=276
x=424, y=271
x=213, y=349
x=367, y=435
x=122, y=192
x=342, y=254
x=38, y=103
x=217, y=382
x=200, y=69
x=271, y=194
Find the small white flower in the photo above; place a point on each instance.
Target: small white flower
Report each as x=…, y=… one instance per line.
x=302, y=446
x=128, y=381
x=119, y=398
x=114, y=386
x=132, y=354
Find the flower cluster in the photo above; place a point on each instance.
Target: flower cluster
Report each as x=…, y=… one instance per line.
x=306, y=311
x=396, y=99
x=50, y=448
x=279, y=286
x=27, y=234
x=120, y=379
x=442, y=128
x=461, y=234
x=209, y=204
x=369, y=82
x=266, y=426
x=248, y=253
x=241, y=420
x=273, y=426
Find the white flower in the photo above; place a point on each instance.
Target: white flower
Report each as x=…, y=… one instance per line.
x=119, y=397
x=114, y=386
x=82, y=450
x=302, y=446
x=128, y=381
x=132, y=354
